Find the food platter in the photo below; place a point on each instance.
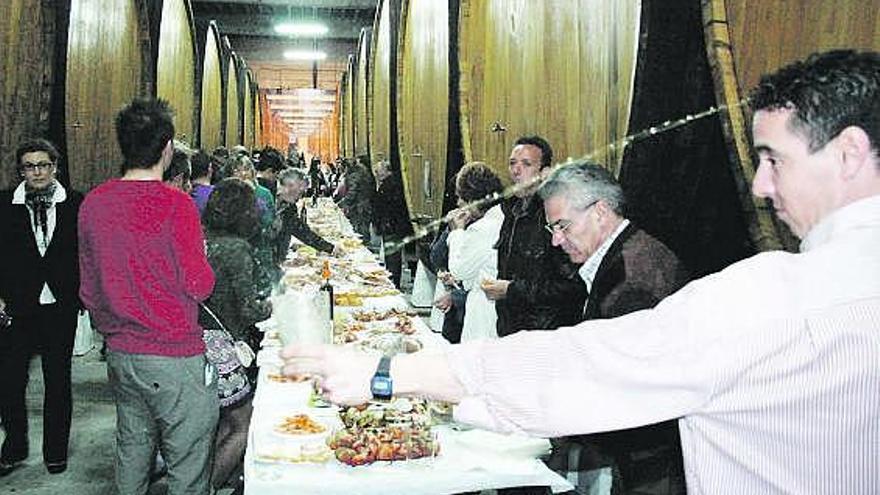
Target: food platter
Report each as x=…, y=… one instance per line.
x=399, y=430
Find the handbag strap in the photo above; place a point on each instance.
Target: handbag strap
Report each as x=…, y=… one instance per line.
x=214, y=317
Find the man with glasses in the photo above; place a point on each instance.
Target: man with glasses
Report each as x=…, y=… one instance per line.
x=625, y=270
x=39, y=285
x=537, y=287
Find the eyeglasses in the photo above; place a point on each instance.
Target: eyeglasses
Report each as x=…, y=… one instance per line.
x=561, y=225
x=558, y=227
x=31, y=167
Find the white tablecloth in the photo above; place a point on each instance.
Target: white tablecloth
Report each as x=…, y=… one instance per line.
x=469, y=460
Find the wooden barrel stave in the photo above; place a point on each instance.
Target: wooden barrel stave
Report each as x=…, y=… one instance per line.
x=211, y=124
x=176, y=65
x=422, y=109
x=108, y=56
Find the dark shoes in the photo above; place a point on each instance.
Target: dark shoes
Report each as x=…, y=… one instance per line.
x=56, y=467
x=8, y=467
x=53, y=467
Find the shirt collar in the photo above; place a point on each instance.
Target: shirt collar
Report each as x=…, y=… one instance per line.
x=589, y=269
x=19, y=194
x=859, y=214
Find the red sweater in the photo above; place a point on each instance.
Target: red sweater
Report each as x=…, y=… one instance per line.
x=143, y=267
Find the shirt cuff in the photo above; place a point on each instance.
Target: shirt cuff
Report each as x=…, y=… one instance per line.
x=465, y=361
x=474, y=411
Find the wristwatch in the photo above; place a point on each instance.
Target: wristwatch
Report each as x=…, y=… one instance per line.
x=381, y=384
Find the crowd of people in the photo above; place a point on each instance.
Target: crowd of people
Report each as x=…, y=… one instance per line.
x=175, y=261
x=761, y=378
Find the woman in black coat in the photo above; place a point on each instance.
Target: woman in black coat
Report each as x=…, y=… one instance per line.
x=39, y=289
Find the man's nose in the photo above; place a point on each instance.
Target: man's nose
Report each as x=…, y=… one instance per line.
x=762, y=183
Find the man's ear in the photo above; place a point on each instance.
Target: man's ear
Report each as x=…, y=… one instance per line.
x=854, y=146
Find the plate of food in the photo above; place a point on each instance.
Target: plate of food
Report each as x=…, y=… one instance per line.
x=300, y=426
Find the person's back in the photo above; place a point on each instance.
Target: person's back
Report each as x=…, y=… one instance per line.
x=141, y=288
x=143, y=273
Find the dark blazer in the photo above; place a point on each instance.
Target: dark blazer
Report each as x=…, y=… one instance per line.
x=636, y=273
x=23, y=271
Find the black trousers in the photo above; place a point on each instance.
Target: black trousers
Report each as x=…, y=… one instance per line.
x=49, y=332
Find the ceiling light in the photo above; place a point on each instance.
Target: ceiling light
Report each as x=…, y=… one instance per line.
x=305, y=55
x=306, y=94
x=319, y=115
x=301, y=28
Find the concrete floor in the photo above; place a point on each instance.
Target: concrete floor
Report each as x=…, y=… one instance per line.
x=92, y=443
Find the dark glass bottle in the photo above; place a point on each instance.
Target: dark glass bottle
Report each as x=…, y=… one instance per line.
x=327, y=289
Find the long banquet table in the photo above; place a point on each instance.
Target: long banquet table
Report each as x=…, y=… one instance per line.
x=469, y=459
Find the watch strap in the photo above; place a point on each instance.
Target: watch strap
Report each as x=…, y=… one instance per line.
x=384, y=367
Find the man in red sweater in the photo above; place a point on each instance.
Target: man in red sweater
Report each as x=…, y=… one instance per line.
x=143, y=272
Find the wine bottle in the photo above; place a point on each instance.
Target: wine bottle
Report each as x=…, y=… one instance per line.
x=326, y=289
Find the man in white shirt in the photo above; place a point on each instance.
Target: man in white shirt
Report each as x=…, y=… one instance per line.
x=772, y=364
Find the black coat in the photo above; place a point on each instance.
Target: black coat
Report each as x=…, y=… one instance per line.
x=23, y=271
x=389, y=212
x=545, y=292
x=292, y=224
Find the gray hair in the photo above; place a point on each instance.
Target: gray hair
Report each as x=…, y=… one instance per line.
x=583, y=183
x=240, y=162
x=292, y=174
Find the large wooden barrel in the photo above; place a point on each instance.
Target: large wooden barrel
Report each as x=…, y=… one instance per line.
x=176, y=59
x=748, y=38
x=248, y=104
x=27, y=73
x=382, y=53
x=584, y=75
x=211, y=127
x=233, y=102
x=108, y=61
x=275, y=133
x=348, y=107
x=559, y=68
x=340, y=114
x=362, y=95
x=422, y=103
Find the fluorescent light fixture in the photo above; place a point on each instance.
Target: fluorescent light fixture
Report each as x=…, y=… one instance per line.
x=304, y=55
x=301, y=28
x=306, y=115
x=302, y=108
x=305, y=94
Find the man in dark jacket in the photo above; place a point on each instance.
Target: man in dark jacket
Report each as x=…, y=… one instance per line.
x=625, y=270
x=537, y=286
x=389, y=215
x=39, y=288
x=289, y=221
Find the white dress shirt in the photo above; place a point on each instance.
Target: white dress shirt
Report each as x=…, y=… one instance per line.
x=588, y=270
x=18, y=198
x=772, y=366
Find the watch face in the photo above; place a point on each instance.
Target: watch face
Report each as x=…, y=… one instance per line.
x=380, y=386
